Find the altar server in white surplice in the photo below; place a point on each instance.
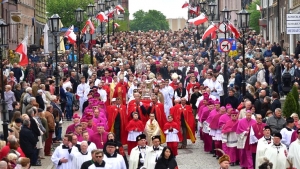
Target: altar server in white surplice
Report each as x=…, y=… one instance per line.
x=82, y=91
x=262, y=145
x=91, y=145
x=138, y=153
x=112, y=158
x=100, y=163
x=61, y=156
x=293, y=156
x=153, y=153
x=81, y=156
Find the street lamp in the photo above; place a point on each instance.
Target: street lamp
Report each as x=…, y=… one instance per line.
x=4, y=42
x=113, y=24
x=107, y=5
x=79, y=20
x=226, y=17
x=211, y=13
x=243, y=23
x=90, y=11
x=55, y=29
x=101, y=8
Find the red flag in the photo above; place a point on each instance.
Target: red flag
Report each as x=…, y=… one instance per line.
x=116, y=25
x=110, y=14
x=89, y=24
x=186, y=4
x=214, y=35
x=212, y=28
x=22, y=51
x=198, y=20
x=119, y=8
x=233, y=30
x=193, y=10
x=72, y=37
x=101, y=17
x=71, y=29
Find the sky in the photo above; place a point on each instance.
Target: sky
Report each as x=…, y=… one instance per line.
x=170, y=8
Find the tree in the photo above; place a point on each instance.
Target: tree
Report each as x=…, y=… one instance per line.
x=66, y=10
x=289, y=106
x=255, y=15
x=295, y=94
x=151, y=20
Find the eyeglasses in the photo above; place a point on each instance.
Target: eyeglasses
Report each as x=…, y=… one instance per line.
x=99, y=156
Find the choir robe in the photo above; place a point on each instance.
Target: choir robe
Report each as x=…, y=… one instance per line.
x=79, y=137
x=121, y=91
x=99, y=139
x=116, y=161
x=78, y=158
x=222, y=121
x=134, y=129
x=152, y=129
x=59, y=153
x=229, y=137
x=71, y=128
x=152, y=156
x=117, y=122
x=262, y=145
x=90, y=131
x=277, y=155
x=103, y=165
x=168, y=94
x=189, y=120
x=112, y=89
x=216, y=132
x=172, y=137
x=82, y=91
x=93, y=127
x=243, y=130
x=136, y=156
x=207, y=139
x=92, y=146
x=293, y=155
x=256, y=132
x=140, y=109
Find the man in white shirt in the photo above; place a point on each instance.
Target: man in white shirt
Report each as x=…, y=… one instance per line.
x=102, y=92
x=82, y=91
x=287, y=132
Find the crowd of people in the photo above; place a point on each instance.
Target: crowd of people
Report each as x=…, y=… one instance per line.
x=146, y=89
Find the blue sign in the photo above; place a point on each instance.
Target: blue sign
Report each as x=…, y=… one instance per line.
x=65, y=29
x=231, y=40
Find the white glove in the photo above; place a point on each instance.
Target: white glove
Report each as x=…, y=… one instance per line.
x=141, y=103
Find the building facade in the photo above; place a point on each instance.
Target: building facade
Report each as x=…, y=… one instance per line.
x=40, y=20
x=26, y=26
x=7, y=10
x=176, y=23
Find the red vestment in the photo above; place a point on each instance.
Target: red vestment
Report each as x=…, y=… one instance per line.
x=160, y=116
x=174, y=85
x=121, y=91
x=134, y=125
x=133, y=107
x=188, y=118
x=190, y=86
x=259, y=133
x=113, y=112
x=107, y=89
x=173, y=145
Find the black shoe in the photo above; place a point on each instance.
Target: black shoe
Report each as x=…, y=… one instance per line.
x=214, y=155
x=237, y=163
x=37, y=164
x=217, y=158
x=231, y=164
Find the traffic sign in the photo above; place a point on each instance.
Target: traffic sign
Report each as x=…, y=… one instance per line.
x=225, y=46
x=231, y=40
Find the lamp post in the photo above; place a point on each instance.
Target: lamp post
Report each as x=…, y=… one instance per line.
x=90, y=11
x=226, y=17
x=243, y=24
x=55, y=29
x=113, y=24
x=4, y=42
x=107, y=6
x=211, y=13
x=79, y=20
x=101, y=8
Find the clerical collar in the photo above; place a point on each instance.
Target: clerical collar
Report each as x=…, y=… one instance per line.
x=100, y=165
x=277, y=145
x=288, y=129
x=89, y=142
x=84, y=153
x=142, y=147
x=155, y=149
x=65, y=147
x=114, y=155
x=268, y=138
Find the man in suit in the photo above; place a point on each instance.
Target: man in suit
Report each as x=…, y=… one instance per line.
x=276, y=102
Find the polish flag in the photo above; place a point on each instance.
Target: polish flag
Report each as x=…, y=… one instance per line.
x=258, y=7
x=110, y=14
x=71, y=29
x=90, y=25
x=211, y=29
x=186, y=4
x=193, y=10
x=120, y=8
x=214, y=35
x=116, y=25
x=101, y=17
x=233, y=30
x=198, y=20
x=72, y=37
x=22, y=51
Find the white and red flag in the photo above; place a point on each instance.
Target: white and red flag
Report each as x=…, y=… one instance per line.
x=194, y=10
x=102, y=17
x=71, y=29
x=198, y=20
x=116, y=25
x=120, y=8
x=186, y=4
x=89, y=24
x=22, y=51
x=209, y=31
x=233, y=30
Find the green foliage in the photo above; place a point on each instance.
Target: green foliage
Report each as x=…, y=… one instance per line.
x=151, y=20
x=255, y=15
x=295, y=94
x=86, y=59
x=290, y=105
x=122, y=28
x=66, y=10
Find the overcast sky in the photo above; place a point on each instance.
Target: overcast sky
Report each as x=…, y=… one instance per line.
x=170, y=8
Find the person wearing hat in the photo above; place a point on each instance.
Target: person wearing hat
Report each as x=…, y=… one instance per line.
x=262, y=144
x=135, y=127
x=293, y=155
x=138, y=153
x=207, y=139
x=229, y=137
x=84, y=123
x=117, y=120
x=224, y=161
x=277, y=152
x=153, y=154
x=120, y=89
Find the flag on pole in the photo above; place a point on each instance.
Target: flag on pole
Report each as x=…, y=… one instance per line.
x=72, y=37
x=198, y=20
x=102, y=17
x=233, y=30
x=89, y=24
x=258, y=7
x=119, y=8
x=210, y=30
x=116, y=25
x=110, y=14
x=193, y=10
x=46, y=29
x=71, y=29
x=186, y=4
x=22, y=51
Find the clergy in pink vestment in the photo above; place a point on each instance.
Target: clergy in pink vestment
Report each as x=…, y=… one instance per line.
x=215, y=130
x=76, y=120
x=294, y=136
x=84, y=124
x=256, y=132
x=100, y=137
x=229, y=136
x=96, y=118
x=243, y=130
x=214, y=112
x=78, y=132
x=207, y=139
x=200, y=110
x=222, y=121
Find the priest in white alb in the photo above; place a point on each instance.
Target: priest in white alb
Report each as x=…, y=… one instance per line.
x=61, y=156
x=262, y=145
x=79, y=157
x=153, y=153
x=277, y=153
x=293, y=156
